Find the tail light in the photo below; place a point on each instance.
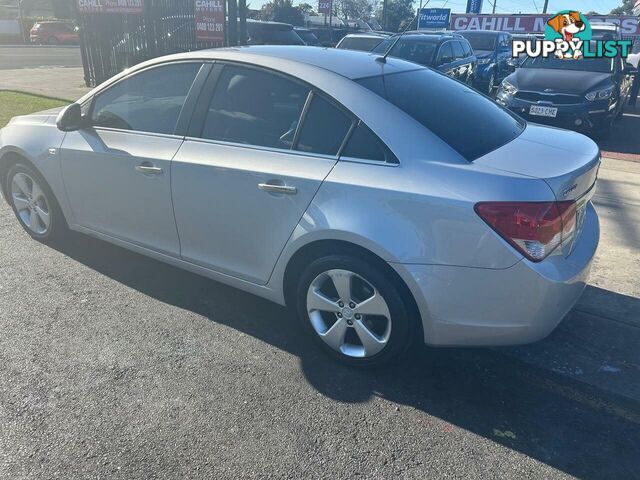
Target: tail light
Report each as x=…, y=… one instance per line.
x=535, y=229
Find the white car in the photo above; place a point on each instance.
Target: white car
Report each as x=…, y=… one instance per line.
x=382, y=201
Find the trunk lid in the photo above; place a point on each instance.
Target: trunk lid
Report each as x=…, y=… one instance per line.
x=567, y=161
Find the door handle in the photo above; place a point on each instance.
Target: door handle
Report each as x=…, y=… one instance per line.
x=149, y=169
x=273, y=188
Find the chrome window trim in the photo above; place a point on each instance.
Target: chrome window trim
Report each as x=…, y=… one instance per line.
x=333, y=158
x=138, y=132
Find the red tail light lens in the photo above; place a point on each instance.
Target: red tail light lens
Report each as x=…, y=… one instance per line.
x=534, y=228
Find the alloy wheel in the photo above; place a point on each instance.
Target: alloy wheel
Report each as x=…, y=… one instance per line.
x=30, y=203
x=348, y=313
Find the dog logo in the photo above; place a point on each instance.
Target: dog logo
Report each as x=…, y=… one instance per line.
x=566, y=26
x=568, y=35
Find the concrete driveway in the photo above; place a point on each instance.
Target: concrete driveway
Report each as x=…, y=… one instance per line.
x=113, y=365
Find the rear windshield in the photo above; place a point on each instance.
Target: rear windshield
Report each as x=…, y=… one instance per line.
x=480, y=41
x=415, y=50
x=364, y=44
x=469, y=122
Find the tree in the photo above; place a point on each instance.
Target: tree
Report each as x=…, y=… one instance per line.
x=282, y=11
x=307, y=9
x=354, y=9
x=625, y=9
x=399, y=12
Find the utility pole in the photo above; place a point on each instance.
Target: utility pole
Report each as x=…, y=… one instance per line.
x=546, y=4
x=494, y=7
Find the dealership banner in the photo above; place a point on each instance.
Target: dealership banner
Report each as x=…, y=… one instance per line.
x=534, y=23
x=210, y=18
x=434, y=18
x=130, y=7
x=474, y=6
x=324, y=6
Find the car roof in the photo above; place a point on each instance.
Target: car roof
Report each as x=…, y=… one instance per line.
x=604, y=26
x=365, y=35
x=347, y=63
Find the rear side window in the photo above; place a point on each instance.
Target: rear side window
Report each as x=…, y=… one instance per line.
x=254, y=107
x=445, y=54
x=466, y=120
x=324, y=129
x=466, y=47
x=364, y=144
x=458, y=52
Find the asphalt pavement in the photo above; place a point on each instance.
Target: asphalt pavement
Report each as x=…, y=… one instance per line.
x=113, y=365
x=34, y=56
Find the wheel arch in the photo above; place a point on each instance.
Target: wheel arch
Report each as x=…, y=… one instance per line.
x=8, y=160
x=318, y=248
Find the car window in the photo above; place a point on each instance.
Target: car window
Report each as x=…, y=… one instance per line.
x=445, y=54
x=466, y=120
x=414, y=50
x=149, y=101
x=458, y=51
x=324, y=129
x=467, y=48
x=255, y=107
x=364, y=144
x=359, y=43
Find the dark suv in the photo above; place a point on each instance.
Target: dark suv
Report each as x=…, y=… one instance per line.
x=494, y=52
x=271, y=33
x=447, y=52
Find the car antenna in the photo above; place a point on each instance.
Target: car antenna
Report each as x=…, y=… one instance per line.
x=383, y=58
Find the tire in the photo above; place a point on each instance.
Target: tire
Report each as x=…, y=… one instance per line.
x=34, y=204
x=386, y=339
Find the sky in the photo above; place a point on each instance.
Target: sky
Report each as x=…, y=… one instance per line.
x=503, y=6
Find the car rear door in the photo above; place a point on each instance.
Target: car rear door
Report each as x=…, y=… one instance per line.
x=117, y=173
x=259, y=148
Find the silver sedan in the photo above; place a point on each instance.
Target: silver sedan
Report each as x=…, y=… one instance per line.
x=385, y=203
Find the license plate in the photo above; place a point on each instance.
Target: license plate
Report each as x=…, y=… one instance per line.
x=543, y=111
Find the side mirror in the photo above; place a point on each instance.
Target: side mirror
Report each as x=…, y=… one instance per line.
x=71, y=119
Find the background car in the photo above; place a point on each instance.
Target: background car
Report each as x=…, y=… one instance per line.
x=271, y=33
x=329, y=37
x=307, y=36
x=516, y=62
x=586, y=95
x=54, y=33
x=493, y=50
x=369, y=197
x=449, y=53
x=364, y=42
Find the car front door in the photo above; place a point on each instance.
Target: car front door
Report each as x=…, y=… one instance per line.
x=249, y=169
x=444, y=60
x=461, y=64
x=117, y=173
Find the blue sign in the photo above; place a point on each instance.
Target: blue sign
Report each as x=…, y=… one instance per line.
x=434, y=18
x=474, y=6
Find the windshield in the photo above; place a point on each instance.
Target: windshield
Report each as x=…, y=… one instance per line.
x=413, y=50
x=466, y=120
x=480, y=41
x=601, y=65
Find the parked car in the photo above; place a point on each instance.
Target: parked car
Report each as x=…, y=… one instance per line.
x=329, y=37
x=449, y=53
x=54, y=33
x=364, y=42
x=605, y=31
x=586, y=95
x=307, y=36
x=494, y=51
x=383, y=202
x=634, y=56
x=271, y=33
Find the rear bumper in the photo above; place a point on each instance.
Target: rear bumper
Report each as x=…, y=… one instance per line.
x=463, y=306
